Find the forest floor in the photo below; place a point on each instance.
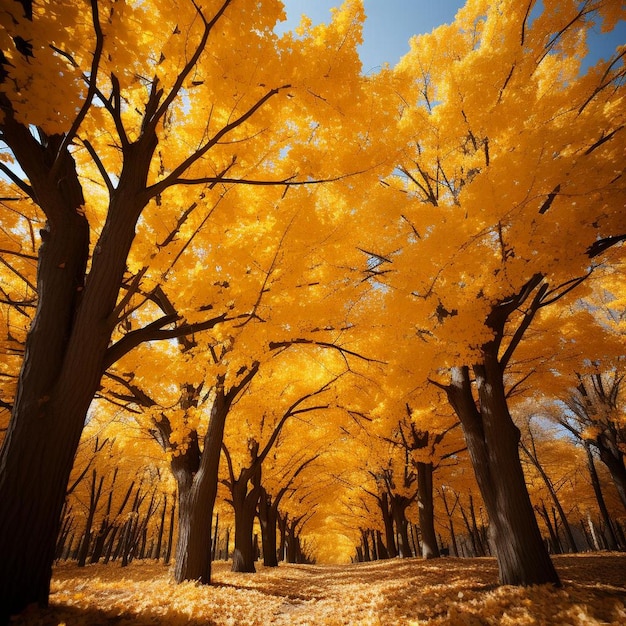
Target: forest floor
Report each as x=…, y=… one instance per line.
x=411, y=591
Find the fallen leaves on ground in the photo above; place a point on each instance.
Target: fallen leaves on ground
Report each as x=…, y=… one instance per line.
x=412, y=591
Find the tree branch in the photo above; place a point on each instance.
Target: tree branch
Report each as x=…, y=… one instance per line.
x=154, y=332
x=174, y=177
x=91, y=92
x=274, y=345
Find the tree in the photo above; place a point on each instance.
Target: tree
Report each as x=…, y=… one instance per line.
x=154, y=105
x=594, y=417
x=528, y=446
x=246, y=488
x=503, y=131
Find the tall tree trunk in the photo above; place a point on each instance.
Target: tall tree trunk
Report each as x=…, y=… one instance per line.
x=65, y=351
x=381, y=550
x=399, y=505
x=430, y=549
x=196, y=500
x=268, y=518
x=449, y=512
x=390, y=538
x=244, y=504
x=597, y=489
x=492, y=441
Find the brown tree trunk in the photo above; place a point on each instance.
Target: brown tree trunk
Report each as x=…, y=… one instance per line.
x=65, y=351
x=430, y=549
x=268, y=518
x=597, y=489
x=244, y=505
x=197, y=492
x=449, y=512
x=390, y=538
x=613, y=458
x=399, y=505
x=492, y=441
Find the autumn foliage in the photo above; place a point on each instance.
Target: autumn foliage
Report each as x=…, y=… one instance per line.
x=255, y=302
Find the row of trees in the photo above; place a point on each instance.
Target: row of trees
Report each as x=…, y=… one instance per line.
x=238, y=230
x=392, y=503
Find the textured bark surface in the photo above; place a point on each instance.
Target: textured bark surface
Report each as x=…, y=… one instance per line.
x=65, y=350
x=388, y=523
x=613, y=458
x=197, y=492
x=244, y=504
x=430, y=549
x=399, y=505
x=268, y=518
x=492, y=441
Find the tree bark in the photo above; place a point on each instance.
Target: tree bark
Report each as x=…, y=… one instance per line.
x=597, y=489
x=390, y=538
x=399, y=505
x=268, y=518
x=430, y=549
x=244, y=505
x=65, y=350
x=613, y=458
x=492, y=440
x=196, y=499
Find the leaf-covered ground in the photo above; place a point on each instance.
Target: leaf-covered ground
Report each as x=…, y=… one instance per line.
x=445, y=591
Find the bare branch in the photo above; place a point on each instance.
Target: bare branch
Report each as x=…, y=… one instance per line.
x=599, y=246
x=274, y=345
x=174, y=177
x=96, y=159
x=25, y=187
x=155, y=332
x=91, y=92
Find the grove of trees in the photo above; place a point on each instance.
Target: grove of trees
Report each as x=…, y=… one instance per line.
x=257, y=302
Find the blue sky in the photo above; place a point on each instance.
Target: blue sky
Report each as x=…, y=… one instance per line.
x=390, y=24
